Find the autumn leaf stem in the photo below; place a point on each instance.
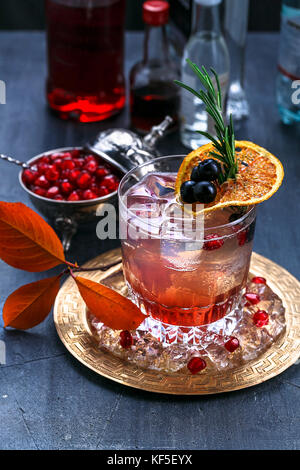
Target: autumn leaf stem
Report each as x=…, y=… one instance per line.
x=78, y=269
x=72, y=274
x=74, y=268
x=71, y=265
x=99, y=268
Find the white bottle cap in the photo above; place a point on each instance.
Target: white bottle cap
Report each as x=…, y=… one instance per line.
x=208, y=3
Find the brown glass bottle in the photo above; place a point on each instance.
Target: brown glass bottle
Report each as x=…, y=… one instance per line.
x=153, y=94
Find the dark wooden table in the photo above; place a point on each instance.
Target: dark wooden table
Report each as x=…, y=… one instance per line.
x=48, y=400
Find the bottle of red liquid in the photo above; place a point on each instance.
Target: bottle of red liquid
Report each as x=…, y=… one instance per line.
x=153, y=94
x=85, y=58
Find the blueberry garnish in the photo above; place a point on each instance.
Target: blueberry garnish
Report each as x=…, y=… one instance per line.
x=208, y=170
x=194, y=174
x=187, y=193
x=204, y=192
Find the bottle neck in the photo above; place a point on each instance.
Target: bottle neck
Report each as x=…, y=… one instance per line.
x=206, y=18
x=156, y=44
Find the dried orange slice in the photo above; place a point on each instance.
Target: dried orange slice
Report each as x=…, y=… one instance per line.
x=259, y=175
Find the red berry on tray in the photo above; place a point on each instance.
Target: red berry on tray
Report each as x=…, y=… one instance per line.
x=89, y=194
x=213, y=242
x=101, y=172
x=59, y=197
x=111, y=182
x=196, y=364
x=52, y=192
x=74, y=196
x=252, y=298
x=126, y=339
x=56, y=155
x=73, y=175
x=103, y=191
x=29, y=176
x=42, y=182
x=83, y=180
x=75, y=153
x=232, y=344
x=65, y=174
x=67, y=155
x=66, y=187
x=79, y=162
x=52, y=174
x=91, y=166
x=57, y=163
x=42, y=168
x=260, y=318
x=68, y=164
x=44, y=159
x=259, y=280
x=90, y=158
x=39, y=191
x=94, y=187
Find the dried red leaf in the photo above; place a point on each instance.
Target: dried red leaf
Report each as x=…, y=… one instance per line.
x=30, y=304
x=27, y=241
x=114, y=310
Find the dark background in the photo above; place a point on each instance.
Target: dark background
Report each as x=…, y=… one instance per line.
x=264, y=15
x=48, y=400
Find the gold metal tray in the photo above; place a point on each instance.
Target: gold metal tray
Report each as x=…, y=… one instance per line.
x=72, y=327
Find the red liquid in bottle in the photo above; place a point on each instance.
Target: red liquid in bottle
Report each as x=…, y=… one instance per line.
x=150, y=104
x=85, y=58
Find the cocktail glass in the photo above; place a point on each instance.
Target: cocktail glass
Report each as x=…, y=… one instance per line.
x=187, y=273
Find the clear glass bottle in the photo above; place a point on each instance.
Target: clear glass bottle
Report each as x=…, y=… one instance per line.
x=85, y=58
x=236, y=26
x=205, y=47
x=153, y=94
x=288, y=78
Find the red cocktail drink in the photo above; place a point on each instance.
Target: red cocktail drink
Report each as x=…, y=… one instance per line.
x=182, y=270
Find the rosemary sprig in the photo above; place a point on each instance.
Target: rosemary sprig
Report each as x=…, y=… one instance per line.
x=224, y=143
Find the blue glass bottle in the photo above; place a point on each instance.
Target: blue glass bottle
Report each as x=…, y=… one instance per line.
x=288, y=79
